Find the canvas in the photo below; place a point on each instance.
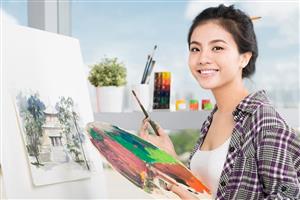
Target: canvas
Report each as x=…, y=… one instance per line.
x=51, y=65
x=53, y=138
x=142, y=163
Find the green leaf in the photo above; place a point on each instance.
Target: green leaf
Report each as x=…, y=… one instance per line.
x=108, y=72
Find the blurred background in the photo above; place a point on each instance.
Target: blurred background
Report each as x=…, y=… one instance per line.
x=128, y=30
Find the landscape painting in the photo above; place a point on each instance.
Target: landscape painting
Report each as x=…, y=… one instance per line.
x=53, y=138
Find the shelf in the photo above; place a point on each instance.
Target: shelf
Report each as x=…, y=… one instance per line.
x=177, y=120
x=167, y=119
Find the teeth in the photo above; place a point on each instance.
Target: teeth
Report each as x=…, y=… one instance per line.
x=207, y=71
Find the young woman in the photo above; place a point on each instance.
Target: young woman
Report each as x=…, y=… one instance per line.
x=245, y=150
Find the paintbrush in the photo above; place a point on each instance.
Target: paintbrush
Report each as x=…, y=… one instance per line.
x=150, y=71
x=146, y=114
x=148, y=64
x=145, y=71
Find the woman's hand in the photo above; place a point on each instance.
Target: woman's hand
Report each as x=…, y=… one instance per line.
x=162, y=141
x=181, y=192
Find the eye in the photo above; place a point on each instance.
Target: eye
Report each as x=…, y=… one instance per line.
x=217, y=48
x=194, y=49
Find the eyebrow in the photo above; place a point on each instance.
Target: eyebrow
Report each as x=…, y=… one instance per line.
x=213, y=41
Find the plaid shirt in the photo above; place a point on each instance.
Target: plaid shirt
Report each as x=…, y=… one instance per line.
x=263, y=159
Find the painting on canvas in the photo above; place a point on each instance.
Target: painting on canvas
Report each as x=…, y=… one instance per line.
x=53, y=138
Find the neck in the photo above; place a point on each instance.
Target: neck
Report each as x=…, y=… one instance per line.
x=229, y=96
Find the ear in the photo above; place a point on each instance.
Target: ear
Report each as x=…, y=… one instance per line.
x=245, y=58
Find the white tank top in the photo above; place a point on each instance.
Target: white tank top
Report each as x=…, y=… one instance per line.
x=208, y=165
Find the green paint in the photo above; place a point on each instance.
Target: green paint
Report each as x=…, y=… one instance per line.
x=136, y=150
x=140, y=148
x=143, y=150
x=134, y=138
x=161, y=156
x=95, y=135
x=208, y=106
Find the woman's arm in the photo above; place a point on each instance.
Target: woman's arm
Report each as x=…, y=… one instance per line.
x=278, y=160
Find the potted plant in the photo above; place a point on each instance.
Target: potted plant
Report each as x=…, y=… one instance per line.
x=109, y=78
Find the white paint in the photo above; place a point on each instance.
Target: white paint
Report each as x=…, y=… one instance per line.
x=49, y=62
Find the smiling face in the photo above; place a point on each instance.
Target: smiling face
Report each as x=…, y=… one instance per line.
x=214, y=58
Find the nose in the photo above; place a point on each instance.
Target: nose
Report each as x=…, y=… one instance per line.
x=204, y=57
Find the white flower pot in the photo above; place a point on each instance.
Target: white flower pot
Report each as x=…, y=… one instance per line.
x=110, y=98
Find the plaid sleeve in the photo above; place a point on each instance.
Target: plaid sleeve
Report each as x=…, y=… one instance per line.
x=278, y=161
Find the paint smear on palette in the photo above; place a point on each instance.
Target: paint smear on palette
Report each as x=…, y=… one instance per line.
x=142, y=163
